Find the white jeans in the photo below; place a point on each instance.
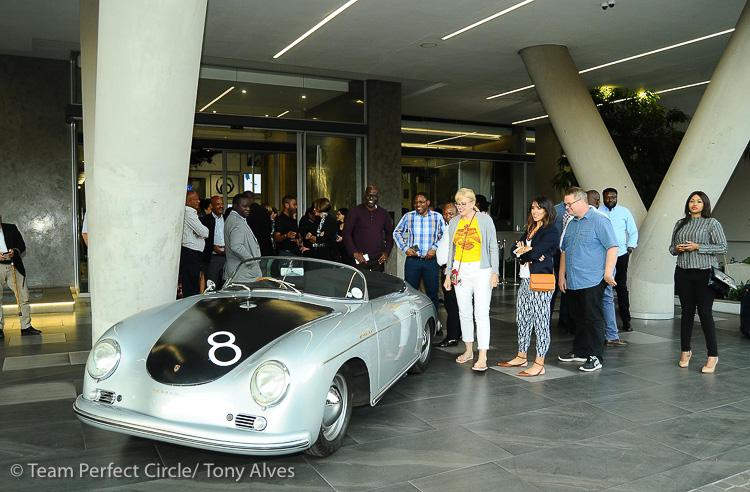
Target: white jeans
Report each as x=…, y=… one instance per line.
x=474, y=283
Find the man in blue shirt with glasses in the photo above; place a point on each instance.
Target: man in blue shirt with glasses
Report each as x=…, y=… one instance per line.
x=417, y=235
x=587, y=263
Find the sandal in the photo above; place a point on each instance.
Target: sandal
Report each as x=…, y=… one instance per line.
x=527, y=374
x=478, y=368
x=508, y=364
x=464, y=358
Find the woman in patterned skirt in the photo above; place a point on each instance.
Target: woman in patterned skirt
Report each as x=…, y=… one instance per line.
x=535, y=250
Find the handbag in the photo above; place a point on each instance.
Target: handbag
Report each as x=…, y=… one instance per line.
x=542, y=282
x=721, y=281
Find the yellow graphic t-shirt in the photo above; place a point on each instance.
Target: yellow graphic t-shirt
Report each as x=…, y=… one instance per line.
x=468, y=231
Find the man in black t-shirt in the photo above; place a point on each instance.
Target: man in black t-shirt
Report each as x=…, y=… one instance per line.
x=286, y=235
x=260, y=223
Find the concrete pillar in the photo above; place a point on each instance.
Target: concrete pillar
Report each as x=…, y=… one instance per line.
x=708, y=154
x=582, y=133
x=548, y=151
x=147, y=63
x=384, y=153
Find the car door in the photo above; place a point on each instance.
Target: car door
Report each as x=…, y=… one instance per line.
x=396, y=335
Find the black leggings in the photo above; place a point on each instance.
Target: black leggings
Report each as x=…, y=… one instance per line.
x=692, y=287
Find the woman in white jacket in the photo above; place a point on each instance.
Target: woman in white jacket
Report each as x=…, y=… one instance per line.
x=473, y=270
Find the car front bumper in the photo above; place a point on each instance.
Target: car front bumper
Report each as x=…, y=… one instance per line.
x=228, y=440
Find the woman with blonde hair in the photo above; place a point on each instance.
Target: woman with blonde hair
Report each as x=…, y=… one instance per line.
x=473, y=270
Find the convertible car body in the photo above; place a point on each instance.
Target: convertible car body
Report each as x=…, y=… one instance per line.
x=271, y=364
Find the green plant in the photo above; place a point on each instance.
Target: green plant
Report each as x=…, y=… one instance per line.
x=736, y=294
x=565, y=178
x=644, y=133
x=746, y=260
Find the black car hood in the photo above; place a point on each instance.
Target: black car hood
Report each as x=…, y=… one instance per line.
x=215, y=335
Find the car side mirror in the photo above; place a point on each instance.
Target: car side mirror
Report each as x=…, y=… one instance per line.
x=210, y=286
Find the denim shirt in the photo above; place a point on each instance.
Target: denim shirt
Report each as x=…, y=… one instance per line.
x=585, y=243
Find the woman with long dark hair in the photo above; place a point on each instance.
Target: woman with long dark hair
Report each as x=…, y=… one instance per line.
x=696, y=240
x=535, y=250
x=323, y=236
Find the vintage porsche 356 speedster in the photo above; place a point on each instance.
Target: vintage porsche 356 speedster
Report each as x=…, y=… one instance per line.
x=271, y=364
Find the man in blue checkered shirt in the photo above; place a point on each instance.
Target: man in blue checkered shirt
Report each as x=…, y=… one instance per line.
x=417, y=234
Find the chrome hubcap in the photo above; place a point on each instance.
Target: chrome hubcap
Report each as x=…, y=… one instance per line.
x=332, y=410
x=426, y=338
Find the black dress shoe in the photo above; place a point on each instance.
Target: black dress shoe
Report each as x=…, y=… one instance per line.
x=30, y=331
x=447, y=343
x=2, y=334
x=626, y=327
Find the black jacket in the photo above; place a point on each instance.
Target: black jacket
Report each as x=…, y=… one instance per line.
x=14, y=240
x=544, y=243
x=260, y=222
x=325, y=242
x=210, y=222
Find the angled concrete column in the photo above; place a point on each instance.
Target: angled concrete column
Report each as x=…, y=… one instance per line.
x=582, y=133
x=147, y=63
x=708, y=154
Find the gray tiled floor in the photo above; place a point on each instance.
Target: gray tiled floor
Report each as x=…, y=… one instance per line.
x=639, y=424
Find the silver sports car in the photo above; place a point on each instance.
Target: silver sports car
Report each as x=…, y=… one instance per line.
x=271, y=364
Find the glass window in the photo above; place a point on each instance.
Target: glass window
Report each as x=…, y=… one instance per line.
x=275, y=95
x=333, y=170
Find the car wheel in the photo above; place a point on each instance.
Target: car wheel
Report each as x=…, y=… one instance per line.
x=336, y=415
x=425, y=351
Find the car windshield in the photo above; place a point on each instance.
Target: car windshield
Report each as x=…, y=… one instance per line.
x=299, y=276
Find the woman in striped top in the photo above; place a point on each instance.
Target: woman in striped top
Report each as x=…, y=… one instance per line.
x=696, y=240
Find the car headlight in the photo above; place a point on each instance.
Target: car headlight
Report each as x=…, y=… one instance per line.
x=269, y=383
x=103, y=359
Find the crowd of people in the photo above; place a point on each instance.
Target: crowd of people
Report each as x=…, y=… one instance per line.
x=577, y=250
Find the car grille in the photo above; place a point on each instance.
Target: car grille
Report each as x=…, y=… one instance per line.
x=245, y=421
x=105, y=396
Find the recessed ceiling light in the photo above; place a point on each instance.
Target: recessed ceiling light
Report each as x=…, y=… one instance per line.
x=479, y=23
x=428, y=45
x=304, y=96
x=622, y=60
x=317, y=26
x=244, y=91
x=359, y=101
x=217, y=98
x=282, y=114
x=214, y=111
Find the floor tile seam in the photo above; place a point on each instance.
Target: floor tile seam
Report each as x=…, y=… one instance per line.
x=453, y=470
x=696, y=458
x=310, y=462
x=417, y=417
x=723, y=479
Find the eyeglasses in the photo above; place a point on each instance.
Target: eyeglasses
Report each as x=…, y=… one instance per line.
x=465, y=204
x=569, y=205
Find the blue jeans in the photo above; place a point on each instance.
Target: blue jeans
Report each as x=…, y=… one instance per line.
x=608, y=306
x=417, y=270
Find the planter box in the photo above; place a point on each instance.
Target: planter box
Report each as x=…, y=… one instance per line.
x=740, y=272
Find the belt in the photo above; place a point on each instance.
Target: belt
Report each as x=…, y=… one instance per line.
x=418, y=258
x=6, y=262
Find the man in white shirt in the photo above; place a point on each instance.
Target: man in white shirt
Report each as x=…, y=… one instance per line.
x=626, y=233
x=194, y=236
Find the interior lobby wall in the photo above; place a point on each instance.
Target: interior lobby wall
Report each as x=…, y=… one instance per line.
x=35, y=166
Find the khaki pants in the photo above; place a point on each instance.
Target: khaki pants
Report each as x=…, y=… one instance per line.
x=6, y=278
